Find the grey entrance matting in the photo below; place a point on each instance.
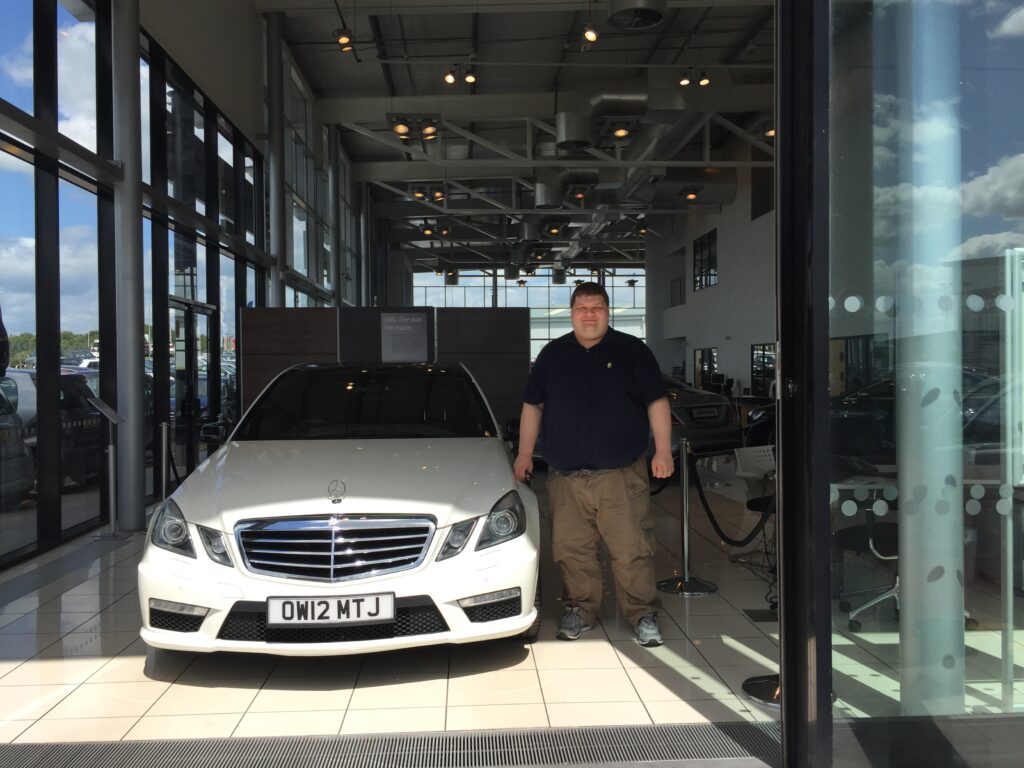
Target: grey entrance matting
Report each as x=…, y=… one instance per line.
x=723, y=744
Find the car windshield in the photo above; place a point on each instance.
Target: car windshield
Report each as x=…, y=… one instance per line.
x=349, y=403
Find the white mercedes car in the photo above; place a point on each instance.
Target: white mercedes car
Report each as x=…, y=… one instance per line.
x=353, y=509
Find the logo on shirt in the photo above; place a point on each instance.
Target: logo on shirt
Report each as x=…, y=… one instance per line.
x=609, y=365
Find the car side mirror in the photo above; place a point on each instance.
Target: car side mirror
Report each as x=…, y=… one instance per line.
x=215, y=433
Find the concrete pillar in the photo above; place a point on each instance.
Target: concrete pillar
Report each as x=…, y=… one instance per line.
x=131, y=446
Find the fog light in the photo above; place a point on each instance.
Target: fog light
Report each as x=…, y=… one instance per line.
x=182, y=608
x=490, y=597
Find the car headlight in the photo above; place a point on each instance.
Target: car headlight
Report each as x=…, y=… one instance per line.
x=507, y=520
x=215, y=545
x=170, y=531
x=457, y=538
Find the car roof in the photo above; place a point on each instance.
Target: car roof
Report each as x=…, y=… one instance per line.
x=360, y=367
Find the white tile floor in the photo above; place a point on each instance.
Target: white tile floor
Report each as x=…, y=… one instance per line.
x=72, y=667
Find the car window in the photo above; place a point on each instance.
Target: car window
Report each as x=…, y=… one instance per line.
x=335, y=404
x=8, y=395
x=74, y=392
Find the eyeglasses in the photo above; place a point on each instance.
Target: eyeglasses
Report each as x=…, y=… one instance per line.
x=590, y=310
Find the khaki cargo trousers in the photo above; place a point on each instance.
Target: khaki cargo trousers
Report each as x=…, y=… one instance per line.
x=613, y=505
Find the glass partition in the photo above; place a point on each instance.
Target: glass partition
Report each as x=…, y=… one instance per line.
x=926, y=368
x=76, y=72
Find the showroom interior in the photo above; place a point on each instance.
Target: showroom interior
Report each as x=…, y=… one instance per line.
x=810, y=232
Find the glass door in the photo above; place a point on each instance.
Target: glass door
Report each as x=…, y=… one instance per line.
x=189, y=349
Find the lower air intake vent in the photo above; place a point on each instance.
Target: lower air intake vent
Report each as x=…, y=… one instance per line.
x=503, y=609
x=247, y=622
x=174, y=622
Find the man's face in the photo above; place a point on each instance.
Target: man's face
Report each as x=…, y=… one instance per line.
x=589, y=319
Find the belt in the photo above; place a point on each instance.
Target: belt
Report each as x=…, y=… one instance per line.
x=585, y=472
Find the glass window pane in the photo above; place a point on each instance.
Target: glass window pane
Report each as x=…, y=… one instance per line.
x=300, y=258
x=249, y=195
x=226, y=180
x=76, y=73
x=147, y=347
x=926, y=286
x=185, y=145
x=17, y=389
x=16, y=54
x=228, y=335
x=147, y=173
x=185, y=279
x=82, y=429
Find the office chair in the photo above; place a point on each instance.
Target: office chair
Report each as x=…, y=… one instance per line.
x=756, y=463
x=880, y=539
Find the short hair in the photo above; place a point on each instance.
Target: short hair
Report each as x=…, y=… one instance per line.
x=589, y=289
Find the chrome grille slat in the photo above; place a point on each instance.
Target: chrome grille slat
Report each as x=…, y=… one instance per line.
x=314, y=549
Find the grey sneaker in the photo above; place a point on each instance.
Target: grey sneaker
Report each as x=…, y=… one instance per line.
x=647, y=632
x=572, y=626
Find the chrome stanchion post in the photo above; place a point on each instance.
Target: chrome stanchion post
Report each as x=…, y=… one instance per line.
x=113, y=419
x=687, y=584
x=164, y=457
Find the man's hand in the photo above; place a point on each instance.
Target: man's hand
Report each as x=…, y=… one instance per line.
x=662, y=464
x=523, y=467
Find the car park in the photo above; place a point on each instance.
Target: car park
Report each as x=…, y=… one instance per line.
x=17, y=470
x=81, y=443
x=353, y=509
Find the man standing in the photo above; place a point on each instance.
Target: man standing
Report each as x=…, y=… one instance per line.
x=593, y=394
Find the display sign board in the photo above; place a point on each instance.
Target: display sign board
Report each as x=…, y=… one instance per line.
x=403, y=337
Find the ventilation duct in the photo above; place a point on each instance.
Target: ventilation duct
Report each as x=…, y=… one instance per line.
x=636, y=15
x=576, y=112
x=572, y=130
x=549, y=189
x=529, y=230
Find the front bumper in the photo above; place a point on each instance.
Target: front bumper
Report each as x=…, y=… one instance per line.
x=426, y=600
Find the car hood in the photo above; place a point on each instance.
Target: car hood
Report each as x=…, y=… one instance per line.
x=451, y=479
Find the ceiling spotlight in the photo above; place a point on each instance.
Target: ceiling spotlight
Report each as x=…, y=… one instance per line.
x=554, y=229
x=691, y=195
x=621, y=131
x=642, y=231
x=685, y=80
x=439, y=271
x=578, y=282
x=429, y=128
x=419, y=193
x=704, y=79
x=439, y=194
x=443, y=231
x=345, y=39
x=450, y=77
x=521, y=283
x=470, y=76
x=401, y=127
x=590, y=33
x=580, y=195
x=770, y=133
x=427, y=229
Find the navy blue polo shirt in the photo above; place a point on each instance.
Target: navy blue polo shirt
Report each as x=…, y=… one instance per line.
x=595, y=400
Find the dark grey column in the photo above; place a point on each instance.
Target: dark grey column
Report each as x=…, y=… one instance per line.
x=131, y=447
x=334, y=206
x=275, y=91
x=929, y=375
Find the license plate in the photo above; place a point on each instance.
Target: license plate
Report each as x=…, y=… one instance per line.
x=330, y=611
x=704, y=413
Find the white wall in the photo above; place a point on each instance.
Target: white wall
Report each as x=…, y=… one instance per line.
x=220, y=46
x=733, y=315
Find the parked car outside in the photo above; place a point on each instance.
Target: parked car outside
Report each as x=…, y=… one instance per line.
x=708, y=420
x=81, y=445
x=17, y=470
x=353, y=509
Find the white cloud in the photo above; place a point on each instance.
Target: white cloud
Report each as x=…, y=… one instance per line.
x=12, y=163
x=997, y=192
x=894, y=206
x=17, y=64
x=76, y=83
x=895, y=136
x=17, y=292
x=987, y=246
x=1012, y=25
